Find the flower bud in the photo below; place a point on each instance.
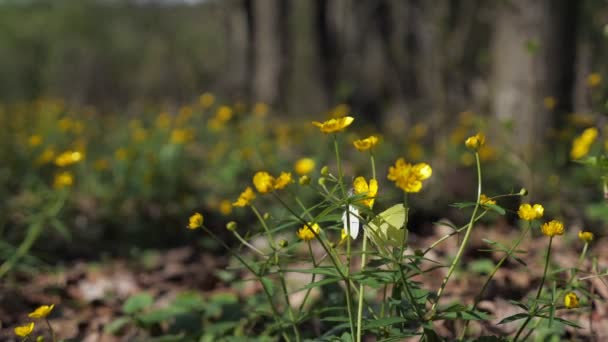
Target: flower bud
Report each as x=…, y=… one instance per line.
x=523, y=192
x=304, y=180
x=266, y=216
x=321, y=181
x=324, y=171
x=231, y=226
x=283, y=243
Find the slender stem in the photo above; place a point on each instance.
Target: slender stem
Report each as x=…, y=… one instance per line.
x=538, y=293
x=447, y=236
x=266, y=228
x=247, y=244
x=463, y=245
x=498, y=265
x=314, y=263
x=48, y=324
x=360, y=308
x=294, y=325
x=373, y=161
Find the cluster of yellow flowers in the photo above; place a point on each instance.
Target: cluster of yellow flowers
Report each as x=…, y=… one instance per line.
x=409, y=177
x=582, y=143
x=530, y=212
x=41, y=312
x=265, y=183
x=361, y=186
x=308, y=231
x=245, y=198
x=485, y=200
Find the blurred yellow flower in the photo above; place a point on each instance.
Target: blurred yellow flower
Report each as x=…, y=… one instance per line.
x=582, y=143
x=163, y=120
x=68, y=157
x=225, y=207
x=415, y=151
x=361, y=186
x=571, y=300
x=530, y=212
x=46, y=156
x=409, y=177
x=334, y=125
x=101, y=164
x=63, y=179
x=196, y=221
x=65, y=124
x=34, y=140
x=245, y=198
x=224, y=113
x=283, y=180
x=304, y=166
x=41, y=311
x=594, y=79
x=419, y=130
x=121, y=154
x=307, y=232
x=181, y=136
x=552, y=228
x=263, y=182
x=484, y=200
x=139, y=134
x=339, y=111
x=260, y=109
x=206, y=100
x=24, y=330
x=366, y=144
x=476, y=141
x=549, y=102
x=585, y=236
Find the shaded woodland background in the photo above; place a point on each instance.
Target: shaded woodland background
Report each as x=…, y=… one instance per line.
x=392, y=58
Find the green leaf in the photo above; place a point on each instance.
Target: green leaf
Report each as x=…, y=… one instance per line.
x=137, y=303
x=520, y=304
x=496, y=208
x=61, y=228
x=116, y=325
x=388, y=228
x=514, y=318
x=320, y=283
x=160, y=315
x=268, y=284
x=481, y=266
x=383, y=322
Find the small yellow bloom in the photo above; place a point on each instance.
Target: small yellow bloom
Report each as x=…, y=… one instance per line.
x=41, y=311
x=530, y=212
x=263, y=182
x=63, y=179
x=196, y=221
x=224, y=113
x=283, y=180
x=552, y=228
x=206, y=100
x=594, y=79
x=307, y=233
x=245, y=198
x=366, y=144
x=46, y=156
x=361, y=187
x=225, y=207
x=334, y=125
x=121, y=154
x=571, y=300
x=34, y=140
x=409, y=177
x=582, y=143
x=24, y=330
x=68, y=158
x=260, y=109
x=476, y=141
x=181, y=136
x=484, y=200
x=585, y=236
x=304, y=166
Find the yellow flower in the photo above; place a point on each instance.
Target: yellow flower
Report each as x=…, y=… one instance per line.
x=224, y=113
x=409, y=177
x=206, y=100
x=585, y=236
x=41, y=311
x=530, y=212
x=68, y=158
x=245, y=198
x=571, y=300
x=476, y=141
x=484, y=200
x=263, y=182
x=366, y=144
x=582, y=143
x=260, y=109
x=552, y=228
x=304, y=166
x=181, y=136
x=334, y=125
x=594, y=79
x=225, y=207
x=283, y=180
x=63, y=179
x=196, y=221
x=46, y=156
x=163, y=120
x=121, y=154
x=361, y=187
x=24, y=330
x=307, y=233
x=34, y=140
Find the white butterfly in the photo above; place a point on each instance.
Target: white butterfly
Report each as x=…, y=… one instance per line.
x=351, y=218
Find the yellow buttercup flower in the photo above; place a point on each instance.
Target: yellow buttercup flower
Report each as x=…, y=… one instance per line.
x=261, y=109
x=263, y=182
x=552, y=228
x=181, y=136
x=366, y=144
x=245, y=198
x=283, y=180
x=63, y=179
x=24, y=330
x=409, y=177
x=361, y=186
x=206, y=100
x=476, y=141
x=530, y=212
x=41, y=311
x=68, y=158
x=34, y=140
x=308, y=231
x=585, y=236
x=571, y=300
x=196, y=221
x=582, y=143
x=225, y=207
x=304, y=166
x=484, y=200
x=594, y=79
x=334, y=125
x=224, y=113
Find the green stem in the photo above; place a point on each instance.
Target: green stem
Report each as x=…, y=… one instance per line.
x=314, y=263
x=294, y=325
x=48, y=324
x=360, y=308
x=266, y=228
x=447, y=236
x=463, y=245
x=247, y=244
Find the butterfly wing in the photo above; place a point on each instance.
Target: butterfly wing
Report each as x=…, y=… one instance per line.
x=351, y=219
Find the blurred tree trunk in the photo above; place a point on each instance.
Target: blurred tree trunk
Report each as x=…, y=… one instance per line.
x=270, y=32
x=239, y=31
x=532, y=55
